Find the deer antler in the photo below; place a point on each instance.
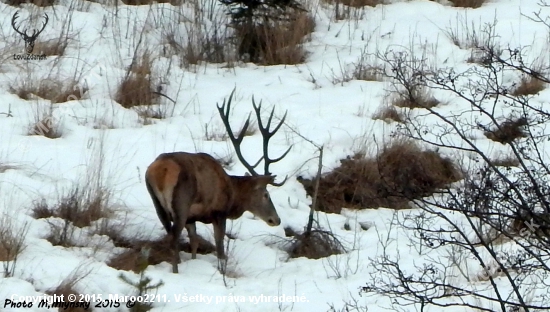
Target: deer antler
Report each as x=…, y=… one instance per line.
x=13, y=19
x=43, y=26
x=265, y=132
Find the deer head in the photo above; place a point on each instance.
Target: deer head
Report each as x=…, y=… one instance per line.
x=29, y=40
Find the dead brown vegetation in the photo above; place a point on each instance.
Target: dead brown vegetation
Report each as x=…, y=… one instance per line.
x=39, y=3
x=160, y=251
x=45, y=125
x=508, y=161
x=528, y=85
x=79, y=206
x=417, y=98
x=388, y=113
x=402, y=171
x=150, y=2
x=68, y=287
x=316, y=244
x=51, y=47
x=468, y=3
x=57, y=91
x=277, y=42
x=357, y=3
x=136, y=88
x=12, y=244
x=508, y=131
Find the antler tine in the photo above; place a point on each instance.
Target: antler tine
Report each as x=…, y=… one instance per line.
x=280, y=183
x=236, y=141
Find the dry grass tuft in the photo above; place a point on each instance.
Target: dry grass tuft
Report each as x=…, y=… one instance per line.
x=468, y=3
x=417, y=98
x=80, y=206
x=12, y=244
x=68, y=287
x=508, y=161
x=528, y=85
x=402, y=171
x=45, y=125
x=367, y=72
x=275, y=43
x=508, y=131
x=160, y=251
x=77, y=209
x=136, y=88
x=57, y=91
x=388, y=114
x=314, y=245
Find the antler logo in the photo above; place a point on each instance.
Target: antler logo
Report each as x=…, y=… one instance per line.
x=29, y=40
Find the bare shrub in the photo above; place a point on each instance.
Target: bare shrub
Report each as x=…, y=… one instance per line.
x=12, y=243
x=315, y=244
x=528, y=85
x=136, y=88
x=468, y=3
x=508, y=131
x=388, y=113
x=466, y=35
x=402, y=171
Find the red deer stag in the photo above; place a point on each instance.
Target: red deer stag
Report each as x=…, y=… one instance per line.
x=186, y=188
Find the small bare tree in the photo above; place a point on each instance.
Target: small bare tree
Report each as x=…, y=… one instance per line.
x=491, y=206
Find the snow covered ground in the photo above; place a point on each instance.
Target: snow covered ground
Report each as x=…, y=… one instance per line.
x=320, y=107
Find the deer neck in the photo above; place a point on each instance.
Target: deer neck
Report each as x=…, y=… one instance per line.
x=241, y=186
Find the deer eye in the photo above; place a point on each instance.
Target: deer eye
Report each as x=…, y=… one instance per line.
x=266, y=195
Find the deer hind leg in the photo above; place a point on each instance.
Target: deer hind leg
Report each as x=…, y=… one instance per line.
x=219, y=234
x=181, y=205
x=193, y=239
